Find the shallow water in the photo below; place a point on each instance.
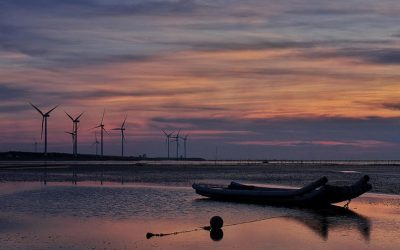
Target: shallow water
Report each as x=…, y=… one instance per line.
x=118, y=216
x=384, y=178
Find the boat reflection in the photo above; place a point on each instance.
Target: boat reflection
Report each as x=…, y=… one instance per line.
x=319, y=220
x=331, y=218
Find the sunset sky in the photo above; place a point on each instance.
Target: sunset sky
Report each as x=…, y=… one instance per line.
x=296, y=79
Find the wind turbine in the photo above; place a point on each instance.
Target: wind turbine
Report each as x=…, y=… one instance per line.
x=122, y=129
x=184, y=144
x=168, y=138
x=102, y=129
x=96, y=141
x=44, y=123
x=177, y=143
x=73, y=141
x=75, y=122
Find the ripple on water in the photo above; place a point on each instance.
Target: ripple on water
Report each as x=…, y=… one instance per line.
x=117, y=202
x=119, y=216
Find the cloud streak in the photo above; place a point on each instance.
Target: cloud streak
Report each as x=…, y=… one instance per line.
x=352, y=144
x=259, y=75
x=90, y=8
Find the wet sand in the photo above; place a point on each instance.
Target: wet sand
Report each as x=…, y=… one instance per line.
x=89, y=215
x=113, y=206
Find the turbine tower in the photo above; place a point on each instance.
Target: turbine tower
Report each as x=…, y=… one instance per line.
x=44, y=123
x=75, y=122
x=102, y=129
x=168, y=138
x=177, y=143
x=184, y=145
x=96, y=141
x=122, y=129
x=73, y=141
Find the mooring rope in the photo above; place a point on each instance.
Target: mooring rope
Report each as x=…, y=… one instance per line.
x=208, y=228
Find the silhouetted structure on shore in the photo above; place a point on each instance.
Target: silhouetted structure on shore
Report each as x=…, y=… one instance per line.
x=102, y=129
x=75, y=122
x=122, y=129
x=44, y=123
x=167, y=139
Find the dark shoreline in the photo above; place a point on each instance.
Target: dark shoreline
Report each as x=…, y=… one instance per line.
x=19, y=156
x=54, y=156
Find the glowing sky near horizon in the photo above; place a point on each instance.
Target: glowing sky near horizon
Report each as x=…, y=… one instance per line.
x=258, y=79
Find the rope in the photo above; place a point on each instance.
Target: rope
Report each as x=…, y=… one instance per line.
x=208, y=228
x=347, y=204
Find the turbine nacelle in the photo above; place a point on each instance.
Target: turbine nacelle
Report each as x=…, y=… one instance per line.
x=76, y=120
x=44, y=123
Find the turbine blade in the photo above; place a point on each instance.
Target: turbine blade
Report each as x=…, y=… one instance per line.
x=102, y=118
x=96, y=127
x=164, y=132
x=116, y=129
x=38, y=110
x=123, y=124
x=70, y=117
x=41, y=133
x=106, y=131
x=79, y=116
x=51, y=110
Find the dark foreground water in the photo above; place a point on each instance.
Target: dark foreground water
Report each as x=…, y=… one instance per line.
x=118, y=216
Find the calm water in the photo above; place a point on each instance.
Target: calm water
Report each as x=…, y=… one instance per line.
x=116, y=216
x=212, y=162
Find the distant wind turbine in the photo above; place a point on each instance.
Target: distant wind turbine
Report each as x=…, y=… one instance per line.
x=184, y=144
x=44, y=123
x=176, y=137
x=168, y=138
x=73, y=141
x=75, y=122
x=122, y=129
x=102, y=129
x=96, y=141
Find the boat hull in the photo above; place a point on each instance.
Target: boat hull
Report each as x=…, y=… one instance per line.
x=321, y=195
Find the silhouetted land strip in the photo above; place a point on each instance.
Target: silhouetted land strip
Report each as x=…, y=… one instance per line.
x=31, y=156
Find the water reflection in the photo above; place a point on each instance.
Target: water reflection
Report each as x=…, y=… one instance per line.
x=216, y=234
x=318, y=220
x=321, y=221
x=59, y=215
